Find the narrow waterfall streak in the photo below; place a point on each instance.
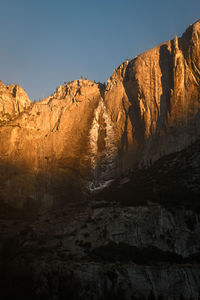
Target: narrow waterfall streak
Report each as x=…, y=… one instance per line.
x=102, y=149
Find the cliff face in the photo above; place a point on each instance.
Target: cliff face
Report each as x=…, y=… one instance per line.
x=154, y=99
x=84, y=136
x=121, y=227
x=13, y=100
x=49, y=145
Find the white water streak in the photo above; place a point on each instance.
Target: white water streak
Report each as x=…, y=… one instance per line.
x=103, y=163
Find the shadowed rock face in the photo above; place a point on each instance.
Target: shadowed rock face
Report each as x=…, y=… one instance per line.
x=104, y=249
x=84, y=136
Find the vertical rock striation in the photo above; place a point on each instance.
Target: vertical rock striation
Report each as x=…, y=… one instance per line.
x=154, y=100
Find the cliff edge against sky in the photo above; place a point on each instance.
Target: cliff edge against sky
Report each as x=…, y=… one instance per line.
x=86, y=135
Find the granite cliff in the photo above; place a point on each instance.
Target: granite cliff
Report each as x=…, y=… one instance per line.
x=149, y=108
x=99, y=185
x=154, y=99
x=13, y=100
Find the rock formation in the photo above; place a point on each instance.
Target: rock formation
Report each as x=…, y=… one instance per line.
x=99, y=185
x=13, y=100
x=49, y=145
x=87, y=136
x=154, y=99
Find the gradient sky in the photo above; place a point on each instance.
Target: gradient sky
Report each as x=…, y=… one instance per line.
x=47, y=42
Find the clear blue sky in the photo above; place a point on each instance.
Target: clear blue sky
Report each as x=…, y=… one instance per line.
x=44, y=43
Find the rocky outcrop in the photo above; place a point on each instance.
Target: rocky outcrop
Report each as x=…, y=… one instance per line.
x=13, y=100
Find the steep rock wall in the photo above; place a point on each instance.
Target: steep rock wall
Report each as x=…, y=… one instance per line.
x=48, y=147
x=154, y=100
x=84, y=136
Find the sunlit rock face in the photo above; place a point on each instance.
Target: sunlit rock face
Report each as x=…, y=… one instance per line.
x=13, y=100
x=154, y=100
x=85, y=135
x=46, y=153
